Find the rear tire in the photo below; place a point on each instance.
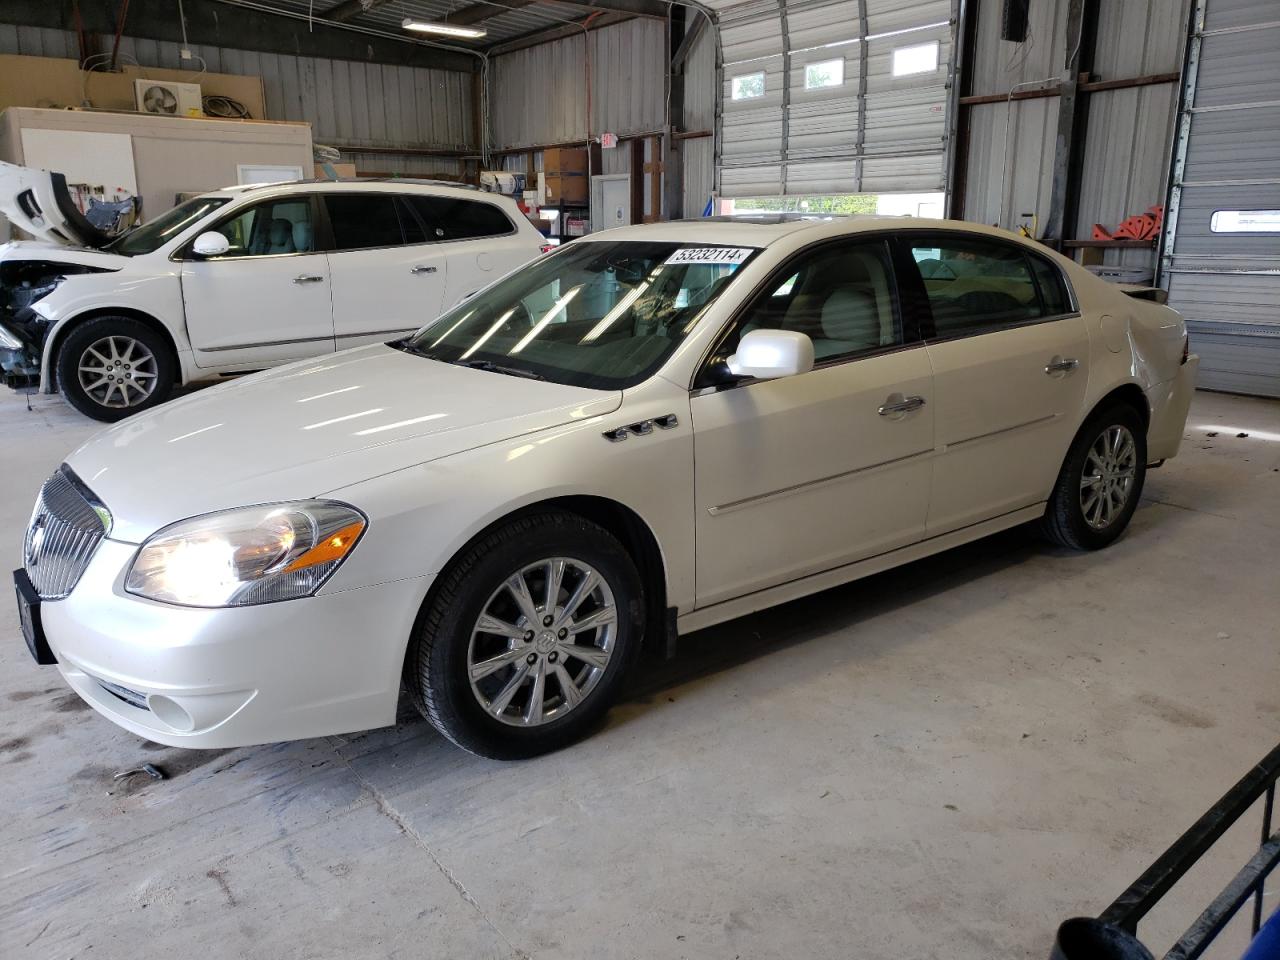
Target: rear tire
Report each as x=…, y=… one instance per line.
x=1100, y=482
x=510, y=677
x=112, y=367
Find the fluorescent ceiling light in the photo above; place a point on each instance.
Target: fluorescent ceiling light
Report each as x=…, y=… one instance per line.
x=444, y=29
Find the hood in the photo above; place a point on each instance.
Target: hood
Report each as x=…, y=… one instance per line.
x=38, y=202
x=46, y=251
x=308, y=428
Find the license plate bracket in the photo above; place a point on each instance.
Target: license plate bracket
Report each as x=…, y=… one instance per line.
x=29, y=617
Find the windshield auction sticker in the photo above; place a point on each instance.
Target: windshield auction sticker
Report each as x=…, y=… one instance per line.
x=721, y=255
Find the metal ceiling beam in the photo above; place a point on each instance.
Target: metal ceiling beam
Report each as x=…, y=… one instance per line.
x=558, y=32
x=238, y=27
x=347, y=9
x=479, y=12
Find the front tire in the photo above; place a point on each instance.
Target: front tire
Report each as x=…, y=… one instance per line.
x=528, y=638
x=112, y=367
x=1100, y=482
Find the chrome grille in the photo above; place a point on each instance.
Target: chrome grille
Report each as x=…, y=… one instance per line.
x=65, y=529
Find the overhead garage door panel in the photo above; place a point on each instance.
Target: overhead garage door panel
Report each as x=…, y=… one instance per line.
x=1234, y=145
x=889, y=16
x=1238, y=67
x=1197, y=238
x=822, y=24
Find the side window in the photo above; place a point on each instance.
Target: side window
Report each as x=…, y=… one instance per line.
x=841, y=296
x=448, y=219
x=269, y=228
x=414, y=231
x=361, y=221
x=974, y=284
x=1053, y=290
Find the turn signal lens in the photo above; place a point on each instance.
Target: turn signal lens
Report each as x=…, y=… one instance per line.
x=247, y=556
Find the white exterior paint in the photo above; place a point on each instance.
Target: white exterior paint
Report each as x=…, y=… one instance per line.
x=798, y=484
x=247, y=313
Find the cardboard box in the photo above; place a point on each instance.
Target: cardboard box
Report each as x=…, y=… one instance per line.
x=560, y=160
x=571, y=188
x=345, y=171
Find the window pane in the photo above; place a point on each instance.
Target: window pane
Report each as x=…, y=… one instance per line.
x=1245, y=221
x=921, y=58
x=363, y=220
x=1053, y=291
x=450, y=219
x=273, y=227
x=829, y=73
x=841, y=297
x=414, y=231
x=594, y=314
x=748, y=87
x=974, y=285
x=155, y=234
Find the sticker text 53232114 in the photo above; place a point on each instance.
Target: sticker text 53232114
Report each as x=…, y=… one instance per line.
x=719, y=255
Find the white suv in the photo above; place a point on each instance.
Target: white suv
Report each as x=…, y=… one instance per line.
x=236, y=280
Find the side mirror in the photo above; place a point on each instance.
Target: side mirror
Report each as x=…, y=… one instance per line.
x=211, y=244
x=770, y=354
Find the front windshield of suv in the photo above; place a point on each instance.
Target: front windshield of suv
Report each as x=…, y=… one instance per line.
x=152, y=236
x=600, y=315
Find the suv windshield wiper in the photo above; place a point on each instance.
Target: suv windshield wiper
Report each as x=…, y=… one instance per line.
x=492, y=367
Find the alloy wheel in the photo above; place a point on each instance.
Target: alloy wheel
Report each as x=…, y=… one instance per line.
x=118, y=371
x=1106, y=483
x=542, y=642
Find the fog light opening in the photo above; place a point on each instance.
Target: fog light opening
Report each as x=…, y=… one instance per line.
x=170, y=713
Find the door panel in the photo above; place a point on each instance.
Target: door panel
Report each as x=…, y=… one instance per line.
x=381, y=287
x=1004, y=423
x=802, y=474
x=265, y=301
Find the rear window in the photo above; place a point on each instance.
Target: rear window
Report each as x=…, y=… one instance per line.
x=447, y=218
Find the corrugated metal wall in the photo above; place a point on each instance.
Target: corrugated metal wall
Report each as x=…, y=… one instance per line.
x=538, y=95
x=1128, y=138
x=348, y=104
x=700, y=114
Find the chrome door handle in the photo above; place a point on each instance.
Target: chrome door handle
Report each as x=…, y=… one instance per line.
x=421, y=269
x=308, y=278
x=1060, y=365
x=897, y=403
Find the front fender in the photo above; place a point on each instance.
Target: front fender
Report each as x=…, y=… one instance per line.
x=422, y=516
x=158, y=296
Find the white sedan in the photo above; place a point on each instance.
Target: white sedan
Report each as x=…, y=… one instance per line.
x=650, y=431
x=235, y=280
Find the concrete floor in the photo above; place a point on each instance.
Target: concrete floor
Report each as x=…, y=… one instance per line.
x=941, y=761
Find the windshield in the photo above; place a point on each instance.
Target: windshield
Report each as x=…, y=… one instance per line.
x=601, y=315
x=151, y=236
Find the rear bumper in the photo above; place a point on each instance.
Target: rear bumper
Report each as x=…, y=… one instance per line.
x=191, y=677
x=1170, y=402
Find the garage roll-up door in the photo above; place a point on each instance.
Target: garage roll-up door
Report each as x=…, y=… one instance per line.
x=1221, y=262
x=834, y=96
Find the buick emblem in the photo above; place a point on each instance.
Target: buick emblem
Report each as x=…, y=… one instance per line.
x=35, y=542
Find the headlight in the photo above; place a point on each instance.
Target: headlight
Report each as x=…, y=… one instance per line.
x=251, y=555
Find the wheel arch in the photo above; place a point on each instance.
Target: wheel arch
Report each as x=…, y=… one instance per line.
x=1128, y=393
x=624, y=523
x=59, y=334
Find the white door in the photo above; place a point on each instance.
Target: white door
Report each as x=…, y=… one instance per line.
x=267, y=299
x=479, y=240
x=1010, y=361
x=610, y=202
x=383, y=287
x=806, y=473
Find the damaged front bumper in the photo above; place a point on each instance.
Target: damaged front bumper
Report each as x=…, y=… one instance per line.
x=21, y=341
